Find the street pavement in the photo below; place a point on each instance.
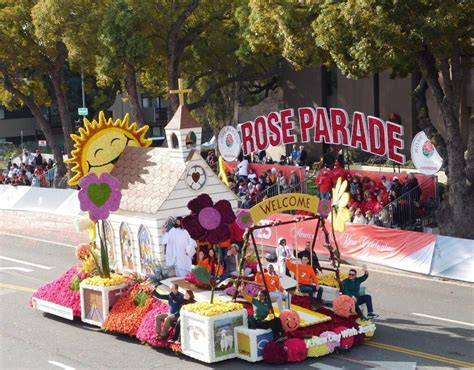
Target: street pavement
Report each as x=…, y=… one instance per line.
x=423, y=323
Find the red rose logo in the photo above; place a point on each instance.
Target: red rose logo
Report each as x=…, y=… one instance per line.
x=229, y=140
x=428, y=148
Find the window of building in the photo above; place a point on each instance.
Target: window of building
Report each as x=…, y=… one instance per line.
x=191, y=140
x=174, y=141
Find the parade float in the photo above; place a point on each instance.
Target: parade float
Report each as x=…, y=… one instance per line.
x=128, y=191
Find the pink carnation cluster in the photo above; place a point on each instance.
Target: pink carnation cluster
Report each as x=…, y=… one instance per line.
x=249, y=289
x=59, y=292
x=147, y=331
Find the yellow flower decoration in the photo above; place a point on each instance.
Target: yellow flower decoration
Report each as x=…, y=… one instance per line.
x=212, y=309
x=340, y=199
x=115, y=279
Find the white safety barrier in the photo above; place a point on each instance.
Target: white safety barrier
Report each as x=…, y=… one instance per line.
x=26, y=198
x=453, y=258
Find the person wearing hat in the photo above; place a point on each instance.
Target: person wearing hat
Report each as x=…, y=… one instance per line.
x=397, y=187
x=282, y=251
x=338, y=172
x=324, y=182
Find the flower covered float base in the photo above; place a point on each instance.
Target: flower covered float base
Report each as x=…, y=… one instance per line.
x=207, y=330
x=59, y=297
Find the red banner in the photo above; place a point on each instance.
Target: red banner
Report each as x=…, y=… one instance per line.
x=406, y=250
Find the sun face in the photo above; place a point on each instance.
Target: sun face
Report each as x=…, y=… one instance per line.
x=100, y=144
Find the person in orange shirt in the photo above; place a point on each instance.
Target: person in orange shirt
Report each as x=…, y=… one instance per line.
x=307, y=280
x=210, y=262
x=276, y=291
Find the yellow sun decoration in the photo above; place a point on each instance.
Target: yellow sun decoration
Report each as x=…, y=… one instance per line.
x=98, y=145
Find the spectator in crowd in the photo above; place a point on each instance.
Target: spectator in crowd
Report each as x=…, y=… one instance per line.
x=211, y=159
x=324, y=182
x=295, y=154
x=355, y=187
x=312, y=257
x=329, y=158
x=295, y=182
x=273, y=175
x=262, y=154
x=38, y=159
x=337, y=172
x=25, y=158
x=243, y=168
x=282, y=183
x=268, y=160
x=369, y=216
x=351, y=287
x=396, y=187
x=340, y=158
x=307, y=281
x=252, y=175
x=359, y=217
x=303, y=157
x=387, y=184
x=275, y=289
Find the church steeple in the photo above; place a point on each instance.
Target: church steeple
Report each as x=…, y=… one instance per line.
x=183, y=132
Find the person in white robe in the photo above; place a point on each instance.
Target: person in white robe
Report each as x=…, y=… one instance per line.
x=180, y=249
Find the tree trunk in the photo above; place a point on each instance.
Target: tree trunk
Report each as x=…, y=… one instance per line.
x=131, y=86
x=455, y=215
x=424, y=121
x=44, y=125
x=56, y=74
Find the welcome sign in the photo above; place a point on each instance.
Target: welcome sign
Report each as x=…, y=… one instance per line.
x=370, y=134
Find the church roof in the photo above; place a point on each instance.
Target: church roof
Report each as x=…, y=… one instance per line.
x=182, y=119
x=147, y=177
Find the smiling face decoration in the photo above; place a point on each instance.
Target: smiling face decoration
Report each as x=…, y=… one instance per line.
x=290, y=320
x=100, y=144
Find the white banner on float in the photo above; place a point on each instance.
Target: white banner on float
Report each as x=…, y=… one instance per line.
x=453, y=258
x=53, y=308
x=424, y=155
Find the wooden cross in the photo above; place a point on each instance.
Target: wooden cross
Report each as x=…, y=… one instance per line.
x=181, y=91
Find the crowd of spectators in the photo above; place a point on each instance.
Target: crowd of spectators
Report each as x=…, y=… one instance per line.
x=369, y=197
x=33, y=170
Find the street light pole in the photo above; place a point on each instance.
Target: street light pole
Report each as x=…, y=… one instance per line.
x=83, y=93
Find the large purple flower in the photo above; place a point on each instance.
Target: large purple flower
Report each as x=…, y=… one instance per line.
x=99, y=195
x=209, y=221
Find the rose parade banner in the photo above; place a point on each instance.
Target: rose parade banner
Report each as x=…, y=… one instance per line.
x=406, y=250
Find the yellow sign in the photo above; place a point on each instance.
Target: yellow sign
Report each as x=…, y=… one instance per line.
x=284, y=202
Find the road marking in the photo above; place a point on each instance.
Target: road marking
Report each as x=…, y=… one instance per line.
x=56, y=363
x=16, y=287
x=442, y=319
x=26, y=263
x=22, y=269
x=38, y=240
x=428, y=356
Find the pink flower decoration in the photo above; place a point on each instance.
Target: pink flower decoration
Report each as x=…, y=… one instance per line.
x=244, y=219
x=147, y=330
x=343, y=305
x=325, y=207
x=59, y=292
x=209, y=221
x=99, y=195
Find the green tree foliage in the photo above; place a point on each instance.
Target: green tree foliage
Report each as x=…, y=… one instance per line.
x=369, y=36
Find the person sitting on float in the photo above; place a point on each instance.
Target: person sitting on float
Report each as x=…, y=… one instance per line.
x=351, y=287
x=231, y=261
x=307, y=281
x=188, y=298
x=307, y=253
x=210, y=262
x=261, y=309
x=275, y=289
x=175, y=300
